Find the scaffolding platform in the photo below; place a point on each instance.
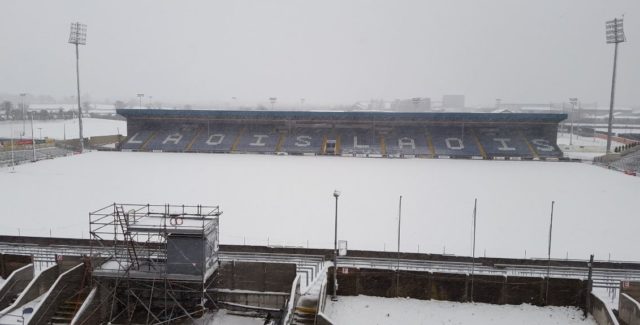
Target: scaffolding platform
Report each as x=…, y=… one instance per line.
x=144, y=241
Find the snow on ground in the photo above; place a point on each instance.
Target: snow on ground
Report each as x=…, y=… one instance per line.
x=584, y=148
x=56, y=129
x=287, y=200
x=608, y=295
x=223, y=317
x=16, y=316
x=376, y=310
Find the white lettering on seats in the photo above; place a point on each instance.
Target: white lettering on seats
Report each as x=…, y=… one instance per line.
x=458, y=146
x=175, y=138
x=356, y=145
x=503, y=144
x=218, y=136
x=404, y=141
x=258, y=142
x=543, y=145
x=133, y=139
x=303, y=141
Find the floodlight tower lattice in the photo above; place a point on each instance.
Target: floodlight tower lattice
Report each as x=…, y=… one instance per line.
x=78, y=36
x=615, y=35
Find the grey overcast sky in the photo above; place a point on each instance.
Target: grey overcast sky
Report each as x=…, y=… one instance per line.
x=329, y=51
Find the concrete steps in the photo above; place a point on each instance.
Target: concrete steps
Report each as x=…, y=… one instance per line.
x=64, y=314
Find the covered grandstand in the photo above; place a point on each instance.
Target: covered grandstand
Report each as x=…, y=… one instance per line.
x=365, y=134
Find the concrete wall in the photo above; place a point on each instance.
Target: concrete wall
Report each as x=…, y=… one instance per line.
x=322, y=319
x=292, y=302
x=10, y=263
x=88, y=312
x=457, y=287
x=256, y=276
x=15, y=284
x=631, y=288
x=65, y=287
x=602, y=314
x=256, y=284
x=328, y=253
x=38, y=286
x=628, y=310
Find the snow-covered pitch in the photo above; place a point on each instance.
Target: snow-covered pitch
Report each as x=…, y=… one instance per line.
x=382, y=311
x=287, y=200
x=60, y=129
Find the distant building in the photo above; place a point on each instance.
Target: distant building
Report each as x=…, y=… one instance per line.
x=416, y=104
x=453, y=101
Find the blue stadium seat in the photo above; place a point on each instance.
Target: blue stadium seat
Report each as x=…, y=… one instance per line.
x=503, y=142
x=359, y=142
x=407, y=141
x=136, y=141
x=216, y=138
x=171, y=140
x=544, y=146
x=454, y=141
x=305, y=140
x=262, y=139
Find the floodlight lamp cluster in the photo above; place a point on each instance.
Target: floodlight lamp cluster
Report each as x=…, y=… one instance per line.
x=78, y=34
x=615, y=31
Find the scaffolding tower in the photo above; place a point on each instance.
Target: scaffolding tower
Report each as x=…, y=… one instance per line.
x=153, y=264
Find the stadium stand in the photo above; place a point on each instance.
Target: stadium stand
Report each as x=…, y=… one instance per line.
x=306, y=140
x=387, y=134
x=137, y=140
x=359, y=142
x=216, y=138
x=407, y=141
x=171, y=140
x=258, y=139
x=543, y=146
x=503, y=142
x=454, y=141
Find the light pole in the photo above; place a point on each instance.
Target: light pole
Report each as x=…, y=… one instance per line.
x=546, y=300
x=40, y=132
x=24, y=116
x=33, y=140
x=334, y=297
x=473, y=253
x=398, y=257
x=573, y=102
x=273, y=101
x=615, y=35
x=140, y=99
x=78, y=36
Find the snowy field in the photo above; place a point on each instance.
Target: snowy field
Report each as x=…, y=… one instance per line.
x=382, y=311
x=223, y=317
x=56, y=129
x=287, y=200
x=585, y=148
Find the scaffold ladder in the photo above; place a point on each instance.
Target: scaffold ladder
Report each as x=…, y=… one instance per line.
x=123, y=220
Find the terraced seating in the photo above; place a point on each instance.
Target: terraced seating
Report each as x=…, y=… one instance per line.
x=216, y=138
x=360, y=142
x=304, y=140
x=137, y=140
x=543, y=146
x=258, y=139
x=454, y=141
x=171, y=140
x=501, y=142
x=403, y=141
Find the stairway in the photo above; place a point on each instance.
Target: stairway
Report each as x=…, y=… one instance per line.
x=65, y=312
x=304, y=315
